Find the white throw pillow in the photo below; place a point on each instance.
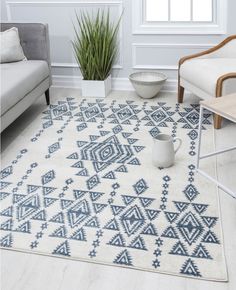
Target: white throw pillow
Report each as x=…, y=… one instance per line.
x=11, y=49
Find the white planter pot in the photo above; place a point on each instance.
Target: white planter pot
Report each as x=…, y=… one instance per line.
x=96, y=89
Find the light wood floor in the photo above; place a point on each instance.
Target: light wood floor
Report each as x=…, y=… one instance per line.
x=20, y=271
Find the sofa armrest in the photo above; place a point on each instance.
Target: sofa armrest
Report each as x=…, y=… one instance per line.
x=34, y=39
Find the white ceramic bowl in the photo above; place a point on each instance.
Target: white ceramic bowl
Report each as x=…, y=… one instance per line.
x=147, y=84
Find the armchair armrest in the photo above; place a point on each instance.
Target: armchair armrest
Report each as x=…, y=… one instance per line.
x=34, y=39
x=209, y=52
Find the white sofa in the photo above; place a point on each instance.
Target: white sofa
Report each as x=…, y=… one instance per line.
x=211, y=73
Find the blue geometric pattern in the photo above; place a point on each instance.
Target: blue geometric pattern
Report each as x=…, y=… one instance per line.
x=78, y=213
x=27, y=207
x=92, y=189
x=49, y=176
x=190, y=268
x=124, y=258
x=107, y=152
x=190, y=228
x=140, y=186
x=132, y=220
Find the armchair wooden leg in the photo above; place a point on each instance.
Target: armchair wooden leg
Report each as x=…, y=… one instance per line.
x=47, y=96
x=180, y=94
x=217, y=121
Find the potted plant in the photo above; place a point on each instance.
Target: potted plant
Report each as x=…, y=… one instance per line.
x=95, y=47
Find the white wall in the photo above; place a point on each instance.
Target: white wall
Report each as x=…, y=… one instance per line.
x=137, y=52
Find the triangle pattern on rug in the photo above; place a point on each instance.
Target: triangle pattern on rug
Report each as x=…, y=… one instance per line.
x=179, y=249
x=98, y=207
x=171, y=216
x=122, y=168
x=78, y=164
x=170, y=232
x=7, y=212
x=138, y=244
x=93, y=223
x=6, y=242
x=17, y=197
x=138, y=148
x=123, y=258
x=7, y=225
x=95, y=195
x=24, y=228
x=149, y=230
x=134, y=161
x=40, y=216
x=32, y=188
x=3, y=195
x=49, y=201
x=117, y=241
x=79, y=235
x=109, y=175
x=181, y=206
x=58, y=218
x=128, y=199
x=112, y=225
x=126, y=135
x=210, y=237
x=60, y=232
x=200, y=208
x=63, y=249
x=132, y=140
x=201, y=252
x=189, y=268
x=103, y=133
x=83, y=172
x=145, y=201
x=4, y=184
x=117, y=209
x=81, y=143
x=209, y=221
x=152, y=213
x=79, y=193
x=47, y=190
x=66, y=203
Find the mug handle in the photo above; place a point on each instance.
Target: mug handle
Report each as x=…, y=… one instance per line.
x=180, y=143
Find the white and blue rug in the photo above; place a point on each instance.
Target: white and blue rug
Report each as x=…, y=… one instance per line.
x=83, y=186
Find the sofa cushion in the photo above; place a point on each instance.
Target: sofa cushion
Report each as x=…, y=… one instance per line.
x=11, y=49
x=20, y=78
x=204, y=72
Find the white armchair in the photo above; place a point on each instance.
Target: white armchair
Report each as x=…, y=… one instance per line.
x=211, y=73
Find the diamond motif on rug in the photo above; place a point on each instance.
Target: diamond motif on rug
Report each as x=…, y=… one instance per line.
x=190, y=228
x=78, y=213
x=132, y=220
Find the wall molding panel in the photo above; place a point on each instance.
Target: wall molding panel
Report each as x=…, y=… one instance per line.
x=75, y=65
x=141, y=54
x=10, y=4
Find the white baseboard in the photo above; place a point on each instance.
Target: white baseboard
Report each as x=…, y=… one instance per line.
x=119, y=84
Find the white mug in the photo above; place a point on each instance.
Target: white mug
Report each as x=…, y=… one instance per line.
x=163, y=152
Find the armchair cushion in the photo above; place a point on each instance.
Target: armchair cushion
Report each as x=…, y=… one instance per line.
x=204, y=73
x=20, y=78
